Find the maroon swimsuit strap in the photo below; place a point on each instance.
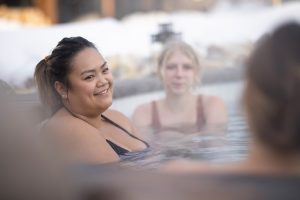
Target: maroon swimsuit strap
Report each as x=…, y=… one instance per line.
x=200, y=113
x=200, y=120
x=155, y=117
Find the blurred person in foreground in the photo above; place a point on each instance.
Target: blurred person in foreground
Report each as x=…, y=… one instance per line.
x=271, y=102
x=76, y=85
x=180, y=111
x=27, y=171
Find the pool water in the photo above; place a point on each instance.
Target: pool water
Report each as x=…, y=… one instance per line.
x=212, y=144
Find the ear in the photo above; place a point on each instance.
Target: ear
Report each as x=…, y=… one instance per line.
x=61, y=89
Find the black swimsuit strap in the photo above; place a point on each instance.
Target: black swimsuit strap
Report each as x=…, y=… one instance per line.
x=118, y=149
x=123, y=129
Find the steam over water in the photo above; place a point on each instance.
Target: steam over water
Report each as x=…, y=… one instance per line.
x=212, y=144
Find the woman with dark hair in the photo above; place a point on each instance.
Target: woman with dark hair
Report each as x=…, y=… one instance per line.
x=271, y=101
x=76, y=85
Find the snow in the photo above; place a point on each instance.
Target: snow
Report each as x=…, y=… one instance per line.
x=23, y=47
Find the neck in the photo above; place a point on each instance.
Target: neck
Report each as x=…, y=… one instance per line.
x=263, y=159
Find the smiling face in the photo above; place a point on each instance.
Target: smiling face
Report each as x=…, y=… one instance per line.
x=91, y=82
x=178, y=72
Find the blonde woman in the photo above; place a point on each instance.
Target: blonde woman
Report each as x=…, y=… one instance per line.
x=271, y=102
x=180, y=110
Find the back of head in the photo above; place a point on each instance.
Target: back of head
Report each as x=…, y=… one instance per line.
x=56, y=67
x=272, y=94
x=28, y=170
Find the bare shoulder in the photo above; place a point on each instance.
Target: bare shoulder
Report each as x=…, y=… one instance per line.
x=67, y=126
x=63, y=126
x=142, y=115
x=215, y=109
x=212, y=101
x=75, y=140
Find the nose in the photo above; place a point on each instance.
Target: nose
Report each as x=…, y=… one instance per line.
x=179, y=71
x=101, y=81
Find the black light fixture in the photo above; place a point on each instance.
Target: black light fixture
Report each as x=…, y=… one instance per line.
x=165, y=34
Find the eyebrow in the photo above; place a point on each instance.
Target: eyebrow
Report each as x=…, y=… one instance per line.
x=93, y=70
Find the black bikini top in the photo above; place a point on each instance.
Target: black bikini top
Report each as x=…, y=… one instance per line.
x=120, y=150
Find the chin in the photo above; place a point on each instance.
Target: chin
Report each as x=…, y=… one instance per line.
x=179, y=91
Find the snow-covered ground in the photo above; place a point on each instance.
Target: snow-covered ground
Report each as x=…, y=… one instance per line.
x=22, y=47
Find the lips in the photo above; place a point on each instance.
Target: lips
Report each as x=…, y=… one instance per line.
x=103, y=92
x=178, y=84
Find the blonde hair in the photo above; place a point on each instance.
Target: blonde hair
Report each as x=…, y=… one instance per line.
x=178, y=45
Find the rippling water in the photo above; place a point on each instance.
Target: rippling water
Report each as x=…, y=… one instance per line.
x=214, y=145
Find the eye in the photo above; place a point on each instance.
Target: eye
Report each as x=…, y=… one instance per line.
x=105, y=70
x=170, y=67
x=188, y=67
x=89, y=77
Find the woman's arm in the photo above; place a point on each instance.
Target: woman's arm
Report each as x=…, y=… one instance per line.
x=215, y=110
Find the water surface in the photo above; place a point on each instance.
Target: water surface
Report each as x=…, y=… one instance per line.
x=212, y=144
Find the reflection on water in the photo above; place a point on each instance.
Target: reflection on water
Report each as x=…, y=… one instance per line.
x=211, y=144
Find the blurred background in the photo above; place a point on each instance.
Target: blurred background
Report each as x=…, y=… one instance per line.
x=130, y=33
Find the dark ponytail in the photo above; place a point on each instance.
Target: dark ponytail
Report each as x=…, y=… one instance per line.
x=48, y=95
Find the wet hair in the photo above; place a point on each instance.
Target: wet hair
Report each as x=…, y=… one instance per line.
x=183, y=47
x=56, y=67
x=272, y=94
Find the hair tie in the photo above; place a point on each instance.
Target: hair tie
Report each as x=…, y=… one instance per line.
x=47, y=66
x=46, y=59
